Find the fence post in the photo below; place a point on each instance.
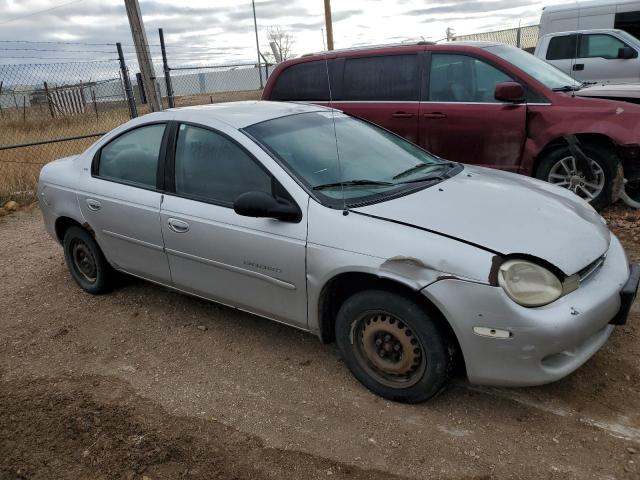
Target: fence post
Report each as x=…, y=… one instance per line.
x=519, y=37
x=128, y=91
x=46, y=92
x=167, y=70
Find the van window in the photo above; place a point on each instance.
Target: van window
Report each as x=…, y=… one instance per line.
x=629, y=22
x=391, y=78
x=600, y=45
x=460, y=78
x=562, y=47
x=303, y=81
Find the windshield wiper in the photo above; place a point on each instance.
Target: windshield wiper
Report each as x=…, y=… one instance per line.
x=409, y=171
x=567, y=88
x=442, y=175
x=350, y=183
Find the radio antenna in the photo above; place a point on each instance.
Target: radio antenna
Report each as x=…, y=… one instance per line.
x=345, y=211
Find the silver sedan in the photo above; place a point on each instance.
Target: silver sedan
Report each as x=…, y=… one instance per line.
x=330, y=224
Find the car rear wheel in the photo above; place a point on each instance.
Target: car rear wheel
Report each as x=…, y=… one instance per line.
x=560, y=168
x=86, y=262
x=392, y=346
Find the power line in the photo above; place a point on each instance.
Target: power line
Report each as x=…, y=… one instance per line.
x=54, y=50
x=39, y=12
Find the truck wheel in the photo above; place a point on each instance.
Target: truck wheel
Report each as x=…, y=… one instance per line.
x=86, y=262
x=392, y=346
x=559, y=167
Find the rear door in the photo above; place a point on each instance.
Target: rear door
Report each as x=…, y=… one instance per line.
x=384, y=89
x=561, y=52
x=460, y=117
x=121, y=201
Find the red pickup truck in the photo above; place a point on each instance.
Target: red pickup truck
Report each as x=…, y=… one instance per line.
x=483, y=103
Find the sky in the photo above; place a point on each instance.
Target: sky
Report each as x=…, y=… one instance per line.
x=221, y=31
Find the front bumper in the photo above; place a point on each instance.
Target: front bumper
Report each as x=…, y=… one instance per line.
x=546, y=343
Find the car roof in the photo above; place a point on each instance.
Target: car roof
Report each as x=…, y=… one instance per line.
x=587, y=30
x=242, y=114
x=395, y=47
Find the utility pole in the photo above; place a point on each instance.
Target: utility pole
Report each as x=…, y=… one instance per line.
x=144, y=55
x=255, y=27
x=328, y=23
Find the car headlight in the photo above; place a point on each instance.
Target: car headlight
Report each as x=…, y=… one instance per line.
x=528, y=284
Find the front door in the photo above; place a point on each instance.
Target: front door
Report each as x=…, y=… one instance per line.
x=384, y=90
x=598, y=60
x=460, y=119
x=123, y=208
x=256, y=264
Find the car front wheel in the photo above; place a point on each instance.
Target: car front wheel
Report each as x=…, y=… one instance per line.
x=86, y=262
x=560, y=168
x=392, y=346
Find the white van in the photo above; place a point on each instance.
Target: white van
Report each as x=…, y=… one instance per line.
x=602, y=56
x=592, y=14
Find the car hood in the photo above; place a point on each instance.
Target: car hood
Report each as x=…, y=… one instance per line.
x=625, y=90
x=507, y=214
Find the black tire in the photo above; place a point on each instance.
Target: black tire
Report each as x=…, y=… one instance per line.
x=354, y=330
x=607, y=162
x=86, y=262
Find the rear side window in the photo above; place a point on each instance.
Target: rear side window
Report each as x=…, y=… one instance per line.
x=133, y=156
x=212, y=168
x=302, y=81
x=629, y=22
x=600, y=45
x=460, y=78
x=390, y=78
x=562, y=47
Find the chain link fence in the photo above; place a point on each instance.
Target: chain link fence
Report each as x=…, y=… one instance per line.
x=53, y=110
x=49, y=111
x=521, y=37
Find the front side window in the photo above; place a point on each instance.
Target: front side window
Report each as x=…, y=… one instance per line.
x=353, y=160
x=383, y=78
x=212, y=168
x=599, y=45
x=133, y=156
x=562, y=47
x=543, y=72
x=460, y=78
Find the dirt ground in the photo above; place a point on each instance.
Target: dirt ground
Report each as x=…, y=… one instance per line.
x=146, y=383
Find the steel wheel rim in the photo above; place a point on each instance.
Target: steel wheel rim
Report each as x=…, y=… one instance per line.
x=83, y=260
x=388, y=350
x=565, y=173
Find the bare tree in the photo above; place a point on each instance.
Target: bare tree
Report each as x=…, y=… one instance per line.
x=282, y=40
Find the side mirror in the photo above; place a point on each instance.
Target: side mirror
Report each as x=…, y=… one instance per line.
x=510, y=92
x=625, y=53
x=263, y=205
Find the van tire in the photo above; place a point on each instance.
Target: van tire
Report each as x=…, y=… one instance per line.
x=606, y=162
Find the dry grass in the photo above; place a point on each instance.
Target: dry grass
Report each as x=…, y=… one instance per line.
x=20, y=167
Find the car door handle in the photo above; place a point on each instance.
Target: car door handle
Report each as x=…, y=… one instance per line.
x=94, y=205
x=434, y=115
x=402, y=115
x=178, y=226
x=578, y=66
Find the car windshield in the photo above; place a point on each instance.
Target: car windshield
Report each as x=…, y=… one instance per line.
x=372, y=162
x=627, y=37
x=544, y=72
